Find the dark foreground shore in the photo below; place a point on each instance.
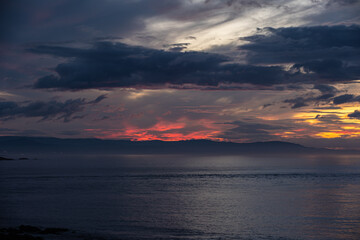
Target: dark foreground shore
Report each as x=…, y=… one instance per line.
x=28, y=232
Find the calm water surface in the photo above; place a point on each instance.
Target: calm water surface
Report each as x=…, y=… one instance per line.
x=182, y=197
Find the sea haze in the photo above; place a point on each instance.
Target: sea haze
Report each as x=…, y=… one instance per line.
x=185, y=197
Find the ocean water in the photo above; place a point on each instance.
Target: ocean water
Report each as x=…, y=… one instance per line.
x=185, y=197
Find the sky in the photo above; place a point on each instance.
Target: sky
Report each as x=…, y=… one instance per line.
x=230, y=70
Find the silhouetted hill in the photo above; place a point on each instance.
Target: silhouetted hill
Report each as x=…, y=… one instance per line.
x=12, y=144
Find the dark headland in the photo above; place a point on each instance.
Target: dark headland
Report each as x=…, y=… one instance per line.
x=23, y=145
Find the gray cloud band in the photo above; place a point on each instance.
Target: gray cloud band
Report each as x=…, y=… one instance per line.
x=46, y=110
x=117, y=65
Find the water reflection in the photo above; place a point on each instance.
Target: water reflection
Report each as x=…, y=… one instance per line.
x=203, y=197
x=333, y=210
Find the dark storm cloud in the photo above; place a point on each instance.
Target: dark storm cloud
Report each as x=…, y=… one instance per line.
x=54, y=21
x=355, y=114
x=304, y=44
x=329, y=70
x=109, y=65
x=297, y=102
x=98, y=99
x=46, y=110
x=325, y=89
x=329, y=119
x=327, y=94
x=327, y=97
x=325, y=54
x=346, y=98
x=67, y=20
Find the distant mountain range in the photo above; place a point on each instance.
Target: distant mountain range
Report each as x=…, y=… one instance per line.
x=12, y=144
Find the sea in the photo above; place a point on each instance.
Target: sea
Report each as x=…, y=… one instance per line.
x=184, y=197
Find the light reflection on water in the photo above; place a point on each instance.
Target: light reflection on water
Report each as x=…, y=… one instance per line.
x=181, y=197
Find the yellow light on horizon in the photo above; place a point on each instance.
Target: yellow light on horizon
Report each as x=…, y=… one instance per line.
x=328, y=135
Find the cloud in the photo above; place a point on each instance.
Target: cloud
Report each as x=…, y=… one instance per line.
x=63, y=20
x=98, y=99
x=177, y=47
x=327, y=94
x=346, y=98
x=45, y=110
x=325, y=89
x=248, y=131
x=319, y=54
x=303, y=44
x=298, y=102
x=355, y=114
x=111, y=65
x=303, y=101
x=328, y=70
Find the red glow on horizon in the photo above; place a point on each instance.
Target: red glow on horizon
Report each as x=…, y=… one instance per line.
x=179, y=130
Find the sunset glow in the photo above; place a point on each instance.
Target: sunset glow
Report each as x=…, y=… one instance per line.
x=179, y=119
x=237, y=71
